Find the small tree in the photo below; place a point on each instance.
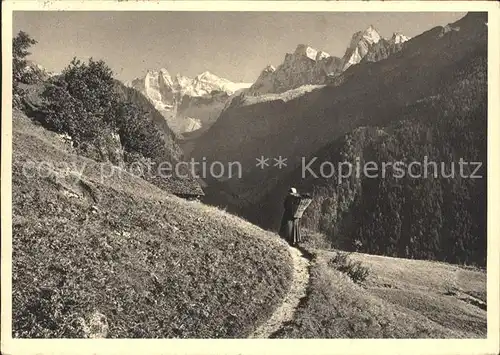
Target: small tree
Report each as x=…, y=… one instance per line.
x=81, y=101
x=84, y=103
x=20, y=45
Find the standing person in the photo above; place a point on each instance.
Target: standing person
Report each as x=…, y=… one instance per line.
x=290, y=226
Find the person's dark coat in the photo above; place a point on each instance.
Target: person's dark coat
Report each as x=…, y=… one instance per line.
x=290, y=226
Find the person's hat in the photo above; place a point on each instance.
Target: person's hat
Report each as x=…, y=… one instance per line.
x=292, y=190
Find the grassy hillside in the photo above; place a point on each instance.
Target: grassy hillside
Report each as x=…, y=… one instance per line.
x=118, y=257
x=401, y=298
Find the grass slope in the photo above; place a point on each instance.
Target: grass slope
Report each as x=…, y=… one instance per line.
x=120, y=258
x=401, y=298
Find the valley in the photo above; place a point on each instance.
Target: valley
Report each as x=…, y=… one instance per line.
x=374, y=111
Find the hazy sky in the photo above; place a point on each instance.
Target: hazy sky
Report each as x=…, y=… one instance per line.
x=234, y=45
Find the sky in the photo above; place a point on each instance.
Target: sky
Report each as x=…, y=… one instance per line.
x=233, y=45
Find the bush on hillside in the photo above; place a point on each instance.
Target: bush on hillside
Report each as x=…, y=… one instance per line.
x=80, y=102
x=66, y=113
x=171, y=151
x=342, y=262
x=83, y=103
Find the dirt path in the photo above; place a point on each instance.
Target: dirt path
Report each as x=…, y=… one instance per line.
x=286, y=311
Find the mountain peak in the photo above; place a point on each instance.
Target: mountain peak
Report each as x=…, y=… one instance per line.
x=318, y=64
x=366, y=37
x=269, y=69
x=202, y=84
x=205, y=74
x=371, y=34
x=306, y=51
x=398, y=38
x=322, y=55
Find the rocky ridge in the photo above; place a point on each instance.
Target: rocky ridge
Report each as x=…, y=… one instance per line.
x=308, y=66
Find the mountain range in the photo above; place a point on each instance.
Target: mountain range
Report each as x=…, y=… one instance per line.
x=308, y=66
x=188, y=104
x=195, y=104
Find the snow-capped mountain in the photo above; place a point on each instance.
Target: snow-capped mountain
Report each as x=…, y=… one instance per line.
x=398, y=38
x=191, y=104
x=360, y=45
x=188, y=104
x=308, y=66
x=207, y=82
x=385, y=47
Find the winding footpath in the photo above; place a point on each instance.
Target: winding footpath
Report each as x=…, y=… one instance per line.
x=286, y=311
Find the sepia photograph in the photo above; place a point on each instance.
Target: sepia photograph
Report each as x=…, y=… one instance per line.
x=248, y=173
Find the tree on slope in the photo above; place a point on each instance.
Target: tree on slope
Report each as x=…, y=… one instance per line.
x=20, y=46
x=83, y=103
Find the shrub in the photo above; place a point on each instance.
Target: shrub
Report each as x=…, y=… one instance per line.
x=66, y=113
x=354, y=269
x=340, y=258
x=83, y=102
x=357, y=272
